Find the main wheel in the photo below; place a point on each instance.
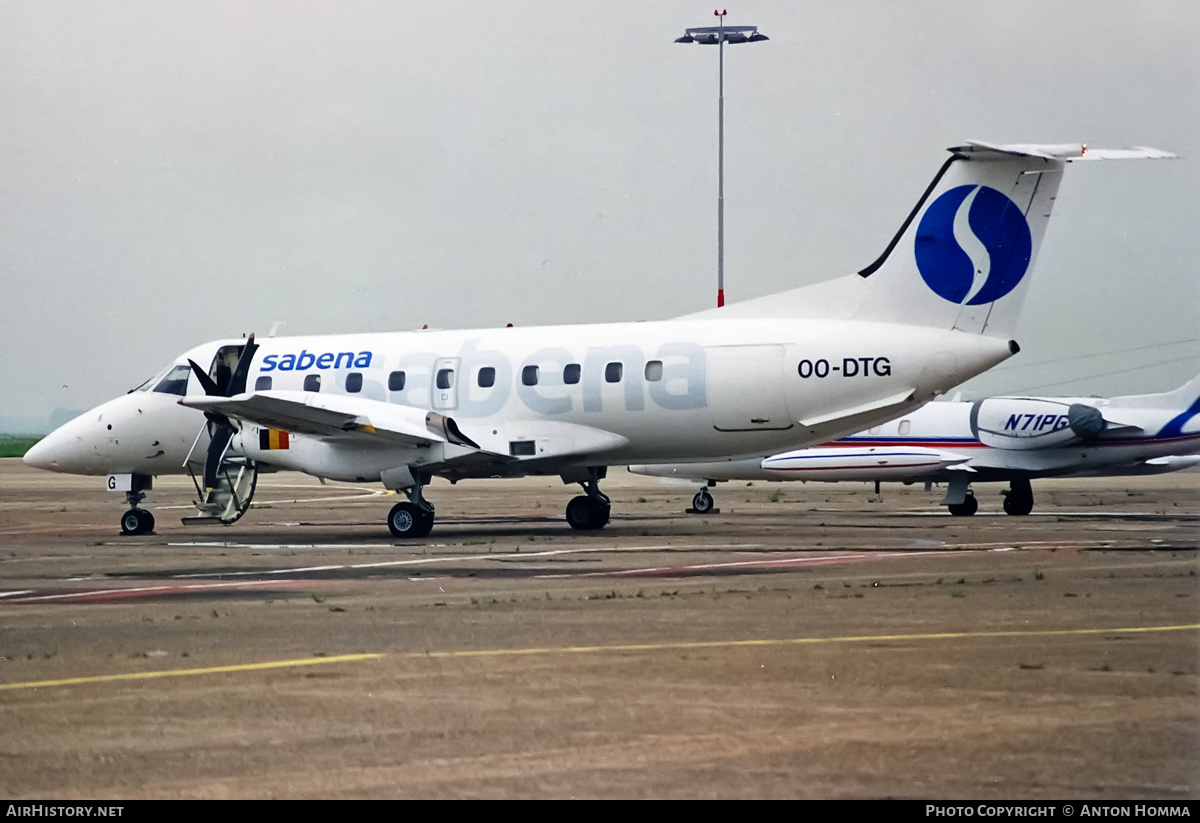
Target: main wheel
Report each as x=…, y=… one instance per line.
x=137, y=521
x=409, y=520
x=587, y=514
x=966, y=508
x=1019, y=500
x=702, y=503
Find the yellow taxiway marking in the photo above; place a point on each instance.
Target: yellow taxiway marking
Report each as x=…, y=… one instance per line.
x=245, y=667
x=638, y=647
x=798, y=641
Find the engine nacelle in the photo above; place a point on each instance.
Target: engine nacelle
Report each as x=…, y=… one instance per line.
x=1033, y=422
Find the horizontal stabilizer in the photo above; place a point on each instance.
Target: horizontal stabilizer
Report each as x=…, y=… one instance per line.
x=1068, y=152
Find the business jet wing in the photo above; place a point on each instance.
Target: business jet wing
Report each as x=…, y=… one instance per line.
x=337, y=417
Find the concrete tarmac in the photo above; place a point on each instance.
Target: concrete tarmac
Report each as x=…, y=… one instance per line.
x=809, y=641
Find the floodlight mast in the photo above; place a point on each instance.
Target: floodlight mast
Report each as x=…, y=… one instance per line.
x=719, y=36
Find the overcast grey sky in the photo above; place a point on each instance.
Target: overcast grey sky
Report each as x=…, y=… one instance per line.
x=175, y=172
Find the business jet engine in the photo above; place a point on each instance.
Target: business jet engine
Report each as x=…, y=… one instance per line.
x=1034, y=423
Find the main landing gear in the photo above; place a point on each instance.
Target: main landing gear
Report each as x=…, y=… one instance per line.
x=589, y=511
x=1018, y=500
x=966, y=508
x=702, y=503
x=414, y=517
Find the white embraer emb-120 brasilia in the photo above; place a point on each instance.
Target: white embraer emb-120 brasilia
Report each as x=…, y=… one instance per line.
x=937, y=308
x=1013, y=439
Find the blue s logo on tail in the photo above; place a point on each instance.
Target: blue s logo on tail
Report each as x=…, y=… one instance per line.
x=973, y=245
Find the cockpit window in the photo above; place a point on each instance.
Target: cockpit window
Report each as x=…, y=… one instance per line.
x=175, y=382
x=147, y=385
x=144, y=385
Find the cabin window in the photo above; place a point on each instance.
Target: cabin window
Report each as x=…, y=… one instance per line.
x=905, y=427
x=487, y=377
x=354, y=382
x=396, y=381
x=312, y=382
x=263, y=383
x=529, y=376
x=612, y=373
x=445, y=378
x=571, y=374
x=875, y=429
x=175, y=382
x=654, y=371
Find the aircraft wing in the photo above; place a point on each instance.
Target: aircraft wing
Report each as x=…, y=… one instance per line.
x=336, y=417
x=366, y=423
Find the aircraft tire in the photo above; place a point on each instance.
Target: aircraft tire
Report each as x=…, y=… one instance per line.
x=586, y=514
x=703, y=502
x=137, y=521
x=966, y=508
x=409, y=521
x=1019, y=500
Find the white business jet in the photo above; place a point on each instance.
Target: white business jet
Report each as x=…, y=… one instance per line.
x=937, y=308
x=1013, y=439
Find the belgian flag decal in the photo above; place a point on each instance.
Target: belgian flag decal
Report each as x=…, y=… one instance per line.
x=269, y=439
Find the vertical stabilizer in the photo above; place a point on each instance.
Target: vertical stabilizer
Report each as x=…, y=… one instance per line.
x=1184, y=397
x=964, y=256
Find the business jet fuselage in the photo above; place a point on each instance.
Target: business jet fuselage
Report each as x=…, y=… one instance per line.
x=1010, y=439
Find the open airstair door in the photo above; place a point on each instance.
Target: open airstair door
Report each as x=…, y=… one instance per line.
x=229, y=478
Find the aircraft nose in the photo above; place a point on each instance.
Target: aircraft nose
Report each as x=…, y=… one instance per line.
x=49, y=452
x=72, y=448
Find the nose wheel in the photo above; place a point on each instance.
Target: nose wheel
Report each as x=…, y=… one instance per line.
x=137, y=521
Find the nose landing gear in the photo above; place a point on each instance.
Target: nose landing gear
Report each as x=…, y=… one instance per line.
x=136, y=520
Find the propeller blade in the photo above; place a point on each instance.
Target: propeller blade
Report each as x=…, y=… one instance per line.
x=218, y=419
x=210, y=388
x=237, y=383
